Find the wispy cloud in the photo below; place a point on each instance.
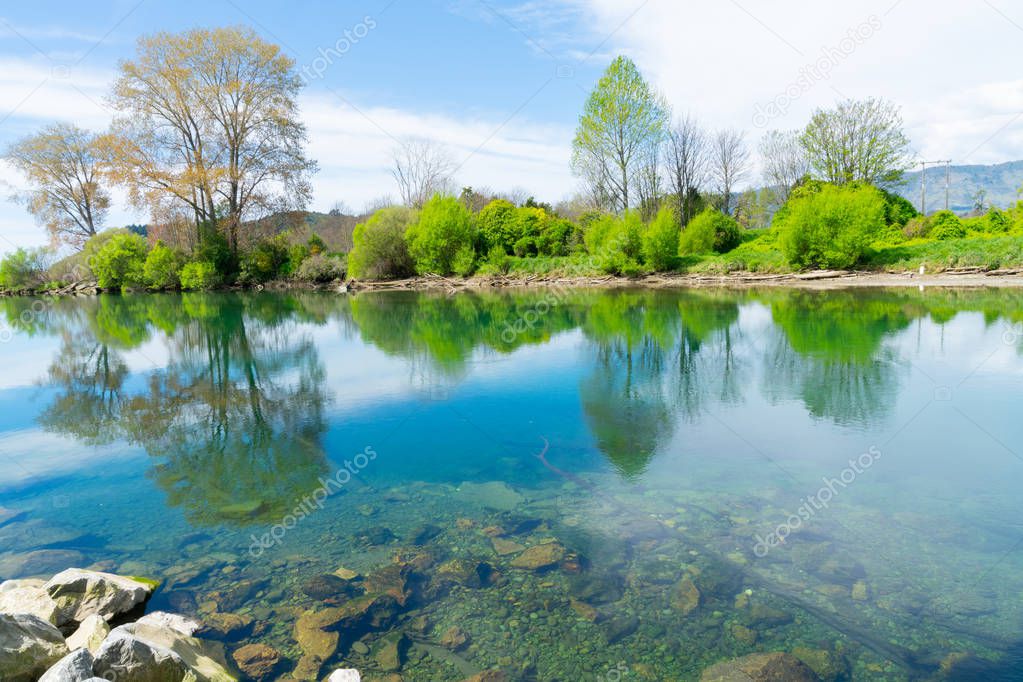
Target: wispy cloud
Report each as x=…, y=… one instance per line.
x=11, y=30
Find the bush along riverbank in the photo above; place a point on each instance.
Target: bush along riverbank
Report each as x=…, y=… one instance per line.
x=822, y=227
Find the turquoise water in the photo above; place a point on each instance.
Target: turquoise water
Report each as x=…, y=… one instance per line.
x=701, y=474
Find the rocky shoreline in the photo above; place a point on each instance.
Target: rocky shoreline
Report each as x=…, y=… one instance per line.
x=965, y=277
x=87, y=626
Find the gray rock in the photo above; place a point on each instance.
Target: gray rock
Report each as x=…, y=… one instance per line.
x=172, y=621
x=345, y=675
x=128, y=659
x=206, y=661
x=27, y=596
x=28, y=647
x=80, y=594
x=89, y=635
x=75, y=667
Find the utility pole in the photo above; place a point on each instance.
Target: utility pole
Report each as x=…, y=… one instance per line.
x=923, y=183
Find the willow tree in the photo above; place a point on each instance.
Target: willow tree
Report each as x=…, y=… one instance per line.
x=62, y=166
x=623, y=118
x=210, y=124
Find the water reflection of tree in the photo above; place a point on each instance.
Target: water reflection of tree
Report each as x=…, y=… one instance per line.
x=235, y=418
x=648, y=370
x=828, y=350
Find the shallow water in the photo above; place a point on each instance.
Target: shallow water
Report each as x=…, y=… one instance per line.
x=720, y=473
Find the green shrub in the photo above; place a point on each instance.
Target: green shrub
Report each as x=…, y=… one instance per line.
x=710, y=232
x=917, y=228
x=380, y=250
x=214, y=248
x=833, y=227
x=444, y=228
x=597, y=231
x=464, y=263
x=121, y=262
x=266, y=261
x=947, y=225
x=162, y=268
x=23, y=269
x=497, y=225
x=997, y=222
x=498, y=261
x=557, y=237
x=316, y=245
x=898, y=210
x=525, y=246
x=199, y=276
x=660, y=241
x=321, y=269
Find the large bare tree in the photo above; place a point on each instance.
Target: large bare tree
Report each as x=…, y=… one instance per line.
x=686, y=156
x=784, y=160
x=422, y=168
x=210, y=120
x=63, y=169
x=859, y=140
x=729, y=164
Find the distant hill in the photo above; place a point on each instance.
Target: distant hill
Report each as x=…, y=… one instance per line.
x=1001, y=183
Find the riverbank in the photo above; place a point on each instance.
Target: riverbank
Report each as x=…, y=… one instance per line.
x=832, y=279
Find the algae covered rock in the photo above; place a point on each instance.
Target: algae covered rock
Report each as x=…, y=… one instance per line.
x=775, y=667
x=28, y=647
x=540, y=557
x=80, y=594
x=75, y=667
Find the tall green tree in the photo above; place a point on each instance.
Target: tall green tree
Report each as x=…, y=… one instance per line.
x=858, y=141
x=623, y=118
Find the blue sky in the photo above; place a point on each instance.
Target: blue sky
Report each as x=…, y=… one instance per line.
x=500, y=83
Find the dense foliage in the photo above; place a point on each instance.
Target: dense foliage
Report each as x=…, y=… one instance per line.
x=832, y=226
x=444, y=230
x=710, y=232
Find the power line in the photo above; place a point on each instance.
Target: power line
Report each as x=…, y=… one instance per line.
x=923, y=183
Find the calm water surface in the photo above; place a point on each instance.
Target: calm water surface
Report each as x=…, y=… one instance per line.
x=590, y=485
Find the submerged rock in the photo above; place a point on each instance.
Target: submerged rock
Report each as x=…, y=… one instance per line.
x=494, y=495
x=620, y=627
x=390, y=652
x=75, y=667
x=89, y=635
x=28, y=647
x=28, y=597
x=776, y=667
x=257, y=661
x=423, y=534
x=504, y=547
x=830, y=666
x=227, y=626
x=454, y=638
x=80, y=594
x=375, y=536
x=539, y=557
x=686, y=596
x=489, y=676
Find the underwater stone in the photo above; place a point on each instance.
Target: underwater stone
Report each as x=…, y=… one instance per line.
x=686, y=596
x=390, y=652
x=505, y=547
x=830, y=666
x=494, y=495
x=539, y=557
x=329, y=588
x=776, y=667
x=423, y=534
x=257, y=661
x=229, y=626
x=455, y=638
